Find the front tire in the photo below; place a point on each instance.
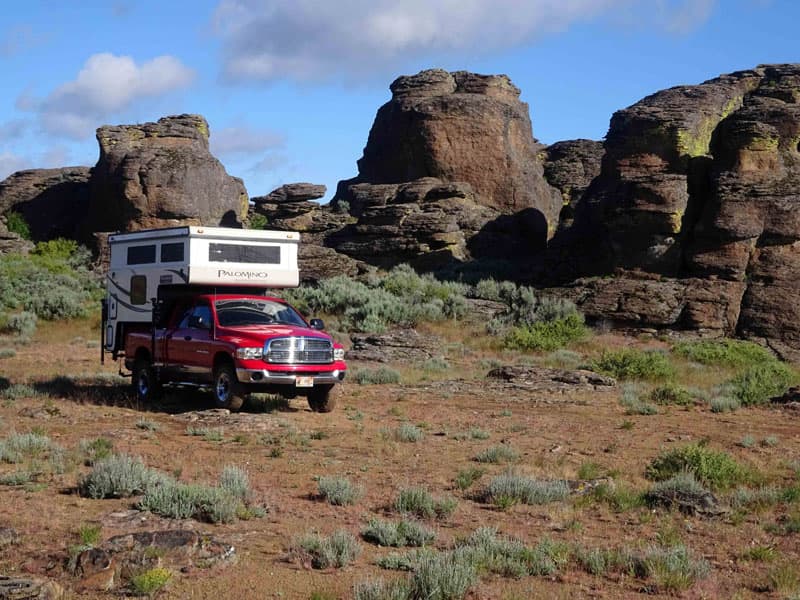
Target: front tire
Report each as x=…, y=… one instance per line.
x=322, y=399
x=146, y=387
x=226, y=389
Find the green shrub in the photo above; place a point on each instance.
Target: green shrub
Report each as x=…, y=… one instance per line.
x=403, y=561
x=337, y=550
x=510, y=557
x=402, y=297
x=758, y=384
x=22, y=324
x=618, y=498
x=727, y=352
x=378, y=589
x=671, y=394
x=18, y=447
x=630, y=398
x=402, y=533
x=508, y=489
x=673, y=569
x=18, y=391
x=176, y=500
x=16, y=223
x=378, y=376
x=338, y=491
x=257, y=220
x=47, y=284
x=151, y=581
x=235, y=481
x=629, y=363
x=7, y=353
x=147, y=425
x=96, y=449
x=435, y=364
x=419, y=502
x=497, y=454
x=546, y=335
x=723, y=404
x=714, y=469
x=119, y=476
x=758, y=498
x=682, y=485
x=443, y=576
x=466, y=477
x=564, y=359
x=406, y=432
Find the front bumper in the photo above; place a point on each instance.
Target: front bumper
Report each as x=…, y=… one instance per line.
x=283, y=378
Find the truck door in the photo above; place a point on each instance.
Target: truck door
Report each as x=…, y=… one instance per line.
x=188, y=345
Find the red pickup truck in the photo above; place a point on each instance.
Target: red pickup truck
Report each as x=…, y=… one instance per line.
x=234, y=344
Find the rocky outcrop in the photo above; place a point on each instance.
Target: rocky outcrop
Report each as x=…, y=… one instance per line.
x=458, y=127
x=11, y=242
x=431, y=224
x=570, y=167
x=699, y=187
x=292, y=192
x=53, y=202
x=161, y=174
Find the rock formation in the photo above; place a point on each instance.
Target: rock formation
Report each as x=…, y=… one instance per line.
x=699, y=188
x=161, y=174
x=458, y=127
x=54, y=202
x=570, y=167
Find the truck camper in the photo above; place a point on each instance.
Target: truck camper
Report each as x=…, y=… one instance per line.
x=192, y=307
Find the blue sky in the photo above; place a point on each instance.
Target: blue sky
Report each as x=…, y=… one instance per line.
x=290, y=87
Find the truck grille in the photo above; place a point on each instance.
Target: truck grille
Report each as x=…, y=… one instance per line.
x=299, y=350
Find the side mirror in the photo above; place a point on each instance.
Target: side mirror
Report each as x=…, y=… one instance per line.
x=198, y=323
x=317, y=324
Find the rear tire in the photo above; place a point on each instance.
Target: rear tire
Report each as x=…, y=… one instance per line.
x=322, y=399
x=226, y=389
x=146, y=386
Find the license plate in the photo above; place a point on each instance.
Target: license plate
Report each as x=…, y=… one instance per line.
x=304, y=382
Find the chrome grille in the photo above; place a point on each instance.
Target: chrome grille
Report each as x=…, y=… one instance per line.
x=299, y=350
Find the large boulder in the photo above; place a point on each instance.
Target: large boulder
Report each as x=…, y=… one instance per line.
x=459, y=127
x=161, y=174
x=54, y=202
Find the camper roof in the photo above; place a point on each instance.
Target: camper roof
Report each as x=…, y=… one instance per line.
x=256, y=235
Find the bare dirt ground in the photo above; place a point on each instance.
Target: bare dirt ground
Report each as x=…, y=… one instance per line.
x=285, y=448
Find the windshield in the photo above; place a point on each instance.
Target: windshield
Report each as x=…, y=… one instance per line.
x=243, y=312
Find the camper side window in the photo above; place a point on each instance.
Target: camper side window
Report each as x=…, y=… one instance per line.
x=138, y=289
x=172, y=252
x=142, y=255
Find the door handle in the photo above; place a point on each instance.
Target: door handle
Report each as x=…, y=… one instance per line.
x=187, y=338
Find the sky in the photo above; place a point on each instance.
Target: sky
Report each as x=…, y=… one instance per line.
x=290, y=87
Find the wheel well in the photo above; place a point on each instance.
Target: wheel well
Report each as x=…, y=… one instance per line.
x=221, y=358
x=142, y=354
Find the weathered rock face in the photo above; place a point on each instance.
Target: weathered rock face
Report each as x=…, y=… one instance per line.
x=431, y=224
x=458, y=127
x=161, y=174
x=570, y=167
x=700, y=184
x=54, y=202
x=11, y=242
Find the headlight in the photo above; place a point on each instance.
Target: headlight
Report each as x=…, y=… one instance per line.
x=249, y=353
x=338, y=354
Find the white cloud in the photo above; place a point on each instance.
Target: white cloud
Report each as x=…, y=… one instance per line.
x=106, y=85
x=10, y=163
x=310, y=40
x=243, y=139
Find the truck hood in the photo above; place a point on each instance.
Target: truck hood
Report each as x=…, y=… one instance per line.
x=258, y=335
